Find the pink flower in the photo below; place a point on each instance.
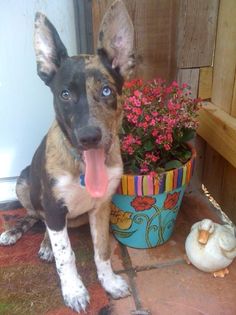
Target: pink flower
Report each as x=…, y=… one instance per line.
x=152, y=122
x=151, y=157
x=175, y=84
x=137, y=93
x=156, y=116
x=167, y=146
x=143, y=125
x=144, y=168
x=184, y=85
x=155, y=133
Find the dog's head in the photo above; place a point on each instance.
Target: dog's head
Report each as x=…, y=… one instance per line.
x=86, y=88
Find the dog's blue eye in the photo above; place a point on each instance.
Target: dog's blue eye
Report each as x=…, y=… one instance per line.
x=65, y=94
x=106, y=91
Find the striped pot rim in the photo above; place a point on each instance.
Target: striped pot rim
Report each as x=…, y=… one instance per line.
x=139, y=185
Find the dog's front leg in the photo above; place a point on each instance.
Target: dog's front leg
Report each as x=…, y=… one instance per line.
x=73, y=290
x=99, y=225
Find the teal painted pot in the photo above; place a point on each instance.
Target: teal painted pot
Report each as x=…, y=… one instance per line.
x=145, y=208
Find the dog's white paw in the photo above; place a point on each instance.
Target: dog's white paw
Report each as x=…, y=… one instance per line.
x=115, y=285
x=9, y=238
x=77, y=297
x=45, y=253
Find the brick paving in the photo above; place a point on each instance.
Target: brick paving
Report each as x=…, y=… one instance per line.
x=162, y=282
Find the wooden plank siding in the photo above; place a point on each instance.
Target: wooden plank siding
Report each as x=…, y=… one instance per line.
x=190, y=76
x=217, y=83
x=218, y=123
x=205, y=83
x=196, y=35
x=219, y=176
x=233, y=104
x=225, y=56
x=228, y=191
x=213, y=172
x=155, y=34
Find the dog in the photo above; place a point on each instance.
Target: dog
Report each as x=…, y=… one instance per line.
x=77, y=167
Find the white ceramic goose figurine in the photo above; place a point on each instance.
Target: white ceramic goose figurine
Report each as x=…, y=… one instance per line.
x=211, y=247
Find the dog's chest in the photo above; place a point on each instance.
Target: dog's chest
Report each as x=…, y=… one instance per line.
x=72, y=191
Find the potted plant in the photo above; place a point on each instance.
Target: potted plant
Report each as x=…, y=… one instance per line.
x=159, y=120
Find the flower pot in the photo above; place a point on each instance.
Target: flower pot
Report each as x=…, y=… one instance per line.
x=145, y=207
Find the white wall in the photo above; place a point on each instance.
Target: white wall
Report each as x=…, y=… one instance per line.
x=26, y=109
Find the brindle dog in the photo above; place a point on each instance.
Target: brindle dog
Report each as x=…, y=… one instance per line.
x=77, y=166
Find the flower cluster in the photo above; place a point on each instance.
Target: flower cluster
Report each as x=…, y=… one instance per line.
x=158, y=120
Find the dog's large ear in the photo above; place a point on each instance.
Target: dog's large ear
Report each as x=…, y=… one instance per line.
x=49, y=48
x=116, y=38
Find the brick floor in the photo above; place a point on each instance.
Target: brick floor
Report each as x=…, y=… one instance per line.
x=162, y=282
x=179, y=289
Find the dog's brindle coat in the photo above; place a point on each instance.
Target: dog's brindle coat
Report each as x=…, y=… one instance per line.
x=86, y=91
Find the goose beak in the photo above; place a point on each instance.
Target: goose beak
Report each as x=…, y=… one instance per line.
x=203, y=237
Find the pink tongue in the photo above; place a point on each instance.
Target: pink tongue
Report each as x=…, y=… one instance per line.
x=96, y=180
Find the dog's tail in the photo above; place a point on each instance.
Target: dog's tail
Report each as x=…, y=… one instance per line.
x=10, y=205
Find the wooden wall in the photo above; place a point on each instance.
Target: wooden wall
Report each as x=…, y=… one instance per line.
x=194, y=41
x=211, y=73
x=155, y=32
x=218, y=119
x=171, y=36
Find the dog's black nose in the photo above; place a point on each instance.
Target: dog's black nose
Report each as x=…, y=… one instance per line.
x=90, y=136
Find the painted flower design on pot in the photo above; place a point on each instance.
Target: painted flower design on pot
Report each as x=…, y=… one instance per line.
x=141, y=203
x=120, y=218
x=171, y=201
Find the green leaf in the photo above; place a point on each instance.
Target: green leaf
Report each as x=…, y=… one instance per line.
x=183, y=154
x=160, y=170
x=123, y=234
x=188, y=134
x=139, y=132
x=148, y=145
x=172, y=164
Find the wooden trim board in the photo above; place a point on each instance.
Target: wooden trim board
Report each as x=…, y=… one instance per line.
x=205, y=83
x=218, y=129
x=225, y=56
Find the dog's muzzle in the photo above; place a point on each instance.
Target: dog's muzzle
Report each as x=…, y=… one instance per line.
x=89, y=137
